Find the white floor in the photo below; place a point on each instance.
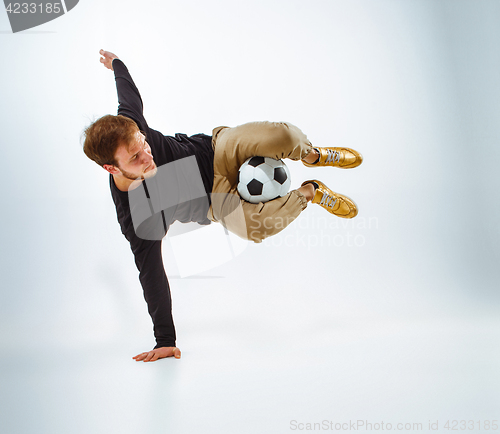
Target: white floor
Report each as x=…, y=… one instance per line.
x=276, y=338
x=254, y=360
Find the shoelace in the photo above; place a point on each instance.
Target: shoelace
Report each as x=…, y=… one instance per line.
x=328, y=200
x=333, y=156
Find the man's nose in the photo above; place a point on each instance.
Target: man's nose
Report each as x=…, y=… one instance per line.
x=147, y=157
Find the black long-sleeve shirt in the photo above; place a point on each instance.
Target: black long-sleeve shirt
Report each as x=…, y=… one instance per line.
x=147, y=252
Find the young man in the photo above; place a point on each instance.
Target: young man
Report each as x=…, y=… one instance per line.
x=132, y=153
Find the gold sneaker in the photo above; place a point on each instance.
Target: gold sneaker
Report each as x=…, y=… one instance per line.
x=334, y=203
x=345, y=158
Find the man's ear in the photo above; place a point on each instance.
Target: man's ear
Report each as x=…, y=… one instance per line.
x=111, y=169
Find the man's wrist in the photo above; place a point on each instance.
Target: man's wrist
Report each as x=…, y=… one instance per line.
x=169, y=345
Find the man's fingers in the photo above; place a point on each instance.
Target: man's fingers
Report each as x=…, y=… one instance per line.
x=105, y=62
x=155, y=357
x=177, y=353
x=140, y=357
x=107, y=54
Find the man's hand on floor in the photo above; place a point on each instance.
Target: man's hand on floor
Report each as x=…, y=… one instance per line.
x=158, y=353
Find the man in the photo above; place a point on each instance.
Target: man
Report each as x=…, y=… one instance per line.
x=132, y=152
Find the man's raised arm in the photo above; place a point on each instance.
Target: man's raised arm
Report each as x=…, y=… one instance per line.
x=129, y=98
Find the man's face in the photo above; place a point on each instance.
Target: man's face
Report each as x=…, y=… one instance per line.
x=136, y=160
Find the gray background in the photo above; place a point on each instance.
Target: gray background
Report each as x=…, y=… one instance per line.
x=391, y=317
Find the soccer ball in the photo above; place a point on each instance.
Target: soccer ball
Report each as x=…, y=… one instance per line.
x=261, y=179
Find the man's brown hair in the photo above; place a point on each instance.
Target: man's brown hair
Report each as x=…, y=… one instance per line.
x=103, y=137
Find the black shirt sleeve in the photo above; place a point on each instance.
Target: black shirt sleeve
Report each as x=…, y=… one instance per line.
x=129, y=99
x=149, y=262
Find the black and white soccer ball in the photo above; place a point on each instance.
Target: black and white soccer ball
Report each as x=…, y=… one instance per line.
x=261, y=179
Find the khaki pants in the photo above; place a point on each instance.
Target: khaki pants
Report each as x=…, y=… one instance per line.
x=232, y=147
